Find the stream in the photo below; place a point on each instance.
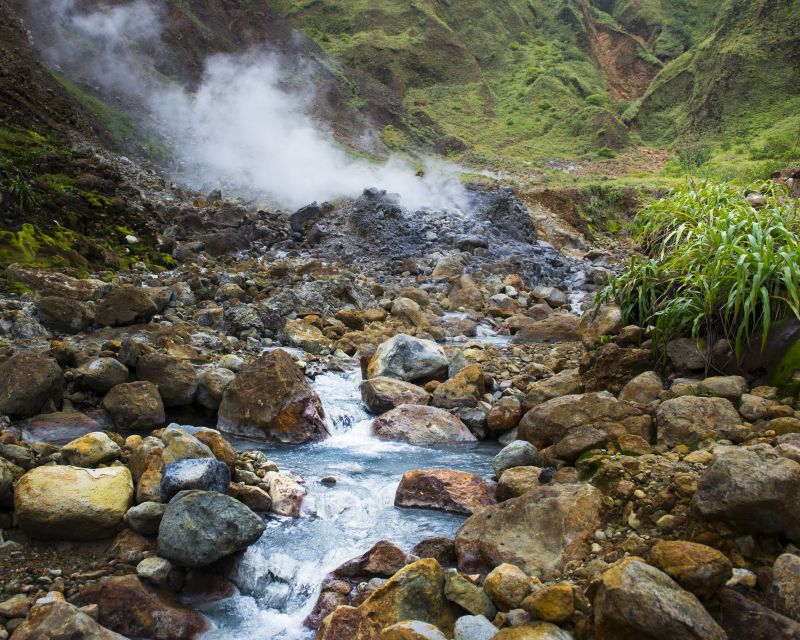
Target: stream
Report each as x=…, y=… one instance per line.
x=280, y=575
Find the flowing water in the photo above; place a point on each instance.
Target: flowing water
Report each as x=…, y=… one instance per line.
x=279, y=576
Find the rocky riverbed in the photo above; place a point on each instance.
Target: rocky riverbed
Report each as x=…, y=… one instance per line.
x=359, y=422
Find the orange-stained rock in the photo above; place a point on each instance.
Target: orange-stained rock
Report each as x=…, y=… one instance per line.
x=444, y=490
x=696, y=567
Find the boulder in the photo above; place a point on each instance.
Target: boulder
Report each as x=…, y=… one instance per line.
x=610, y=367
x=100, y=375
x=124, y=305
x=605, y=320
x=254, y=498
x=519, y=453
x=559, y=327
x=517, y=481
x=685, y=355
x=54, y=283
x=564, y=517
x=30, y=383
x=695, y=567
x=211, y=385
x=70, y=503
x=286, y=494
x=272, y=400
x=689, y=419
x=554, y=603
x=441, y=548
x=407, y=358
x=409, y=312
x=135, y=406
x=219, y=446
x=205, y=474
x=753, y=488
x=783, y=594
x=730, y=387
x=467, y=595
x=745, y=619
x=449, y=266
x=465, y=293
x=504, y=414
x=550, y=421
x=384, y=394
x=200, y=527
x=412, y=630
x=91, y=450
x=140, y=610
x=421, y=425
x=462, y=390
x=175, y=379
x=474, y=628
x=635, y=600
x=57, y=428
x=144, y=518
x=564, y=383
x=444, y=490
x=507, y=585
x=64, y=315
x=306, y=336
x=382, y=560
x=180, y=445
x=646, y=388
x=58, y=620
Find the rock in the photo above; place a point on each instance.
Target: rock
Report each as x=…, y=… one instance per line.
x=144, y=518
x=254, y=498
x=753, y=488
x=552, y=296
x=175, y=379
x=125, y=304
x=730, y=387
x=140, y=610
x=211, y=385
x=559, y=327
x=444, y=490
x=30, y=383
x=610, y=367
x=421, y=425
x=754, y=407
x=64, y=315
x=449, y=266
x=384, y=394
x=410, y=359
x=633, y=600
x=783, y=594
x=409, y=312
x=744, y=619
x=504, y=415
x=689, y=419
x=517, y=481
x=507, y=585
x=474, y=628
x=54, y=283
x=467, y=595
x=68, y=503
x=154, y=569
x=695, y=567
x=306, y=336
x=566, y=382
x=16, y=606
x=383, y=560
x=412, y=630
x=554, y=603
x=91, y=450
x=416, y=592
x=147, y=467
x=606, y=320
x=59, y=620
x=286, y=494
x=563, y=515
x=550, y=421
x=220, y=447
x=440, y=548
x=57, y=428
x=272, y=400
x=519, y=453
x=135, y=406
x=685, y=355
x=646, y=388
x=465, y=293
x=201, y=527
x=100, y=375
x=462, y=390
x=207, y=474
x=534, y=631
x=181, y=445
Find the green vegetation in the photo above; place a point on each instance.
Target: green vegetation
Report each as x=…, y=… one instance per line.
x=715, y=266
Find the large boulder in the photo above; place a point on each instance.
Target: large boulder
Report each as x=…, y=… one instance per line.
x=30, y=383
x=140, y=610
x=410, y=359
x=175, y=379
x=444, y=490
x=64, y=315
x=135, y=405
x=200, y=527
x=416, y=592
x=419, y=424
x=636, y=600
x=689, y=419
x=272, y=400
x=59, y=620
x=564, y=518
x=100, y=375
x=384, y=394
x=70, y=503
x=551, y=421
x=753, y=488
x=125, y=304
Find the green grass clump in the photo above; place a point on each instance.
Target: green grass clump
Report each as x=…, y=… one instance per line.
x=715, y=267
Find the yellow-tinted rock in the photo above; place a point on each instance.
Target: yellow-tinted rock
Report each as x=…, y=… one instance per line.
x=306, y=336
x=462, y=390
x=507, y=585
x=91, y=450
x=412, y=630
x=70, y=503
x=696, y=567
x=534, y=631
x=555, y=603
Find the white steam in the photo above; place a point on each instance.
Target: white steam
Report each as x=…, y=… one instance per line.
x=242, y=128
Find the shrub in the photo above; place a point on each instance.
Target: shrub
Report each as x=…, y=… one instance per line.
x=715, y=267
